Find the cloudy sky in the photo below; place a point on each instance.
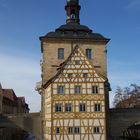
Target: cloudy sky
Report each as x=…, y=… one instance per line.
x=23, y=21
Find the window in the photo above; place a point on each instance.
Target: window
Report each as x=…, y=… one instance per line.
x=70, y=130
x=97, y=107
x=96, y=129
x=76, y=130
x=77, y=89
x=57, y=130
x=58, y=107
x=77, y=62
x=73, y=15
x=70, y=75
x=94, y=89
x=73, y=130
x=60, y=89
x=82, y=107
x=60, y=53
x=89, y=53
x=68, y=107
x=85, y=75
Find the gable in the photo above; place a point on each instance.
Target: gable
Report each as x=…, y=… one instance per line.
x=78, y=69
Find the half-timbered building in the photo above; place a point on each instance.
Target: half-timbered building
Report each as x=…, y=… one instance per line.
x=74, y=89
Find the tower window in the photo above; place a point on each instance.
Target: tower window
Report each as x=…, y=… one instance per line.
x=77, y=89
x=94, y=89
x=96, y=130
x=57, y=130
x=60, y=89
x=82, y=107
x=60, y=53
x=73, y=15
x=58, y=107
x=89, y=53
x=97, y=107
x=68, y=107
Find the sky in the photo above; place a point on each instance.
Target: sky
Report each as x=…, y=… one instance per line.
x=22, y=22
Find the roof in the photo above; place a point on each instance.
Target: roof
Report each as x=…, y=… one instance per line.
x=62, y=67
x=21, y=99
x=10, y=94
x=75, y=31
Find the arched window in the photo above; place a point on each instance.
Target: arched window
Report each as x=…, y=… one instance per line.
x=73, y=14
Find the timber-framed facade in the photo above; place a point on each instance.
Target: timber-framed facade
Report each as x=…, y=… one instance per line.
x=75, y=87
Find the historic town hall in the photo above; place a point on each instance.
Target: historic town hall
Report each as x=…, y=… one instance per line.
x=74, y=81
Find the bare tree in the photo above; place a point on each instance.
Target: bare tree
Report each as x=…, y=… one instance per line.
x=127, y=97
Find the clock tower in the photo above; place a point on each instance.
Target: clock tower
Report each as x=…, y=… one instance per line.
x=75, y=87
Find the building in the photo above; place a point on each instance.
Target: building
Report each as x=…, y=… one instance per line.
x=10, y=103
x=75, y=86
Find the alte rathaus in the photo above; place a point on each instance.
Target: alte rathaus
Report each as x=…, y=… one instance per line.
x=75, y=86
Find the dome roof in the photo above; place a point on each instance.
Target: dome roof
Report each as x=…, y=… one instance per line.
x=75, y=31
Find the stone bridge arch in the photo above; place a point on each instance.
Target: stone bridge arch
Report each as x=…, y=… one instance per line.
x=121, y=119
x=132, y=132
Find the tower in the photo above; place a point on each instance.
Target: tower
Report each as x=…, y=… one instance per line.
x=72, y=10
x=74, y=88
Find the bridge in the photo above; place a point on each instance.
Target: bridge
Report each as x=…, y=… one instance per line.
x=119, y=119
x=20, y=123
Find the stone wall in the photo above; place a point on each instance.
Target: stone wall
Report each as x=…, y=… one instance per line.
x=27, y=122
x=120, y=119
x=50, y=60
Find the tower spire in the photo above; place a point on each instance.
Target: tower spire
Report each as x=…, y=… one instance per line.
x=73, y=10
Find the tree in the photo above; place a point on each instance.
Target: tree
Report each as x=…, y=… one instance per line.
x=128, y=97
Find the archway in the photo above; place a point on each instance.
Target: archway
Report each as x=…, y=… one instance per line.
x=132, y=132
